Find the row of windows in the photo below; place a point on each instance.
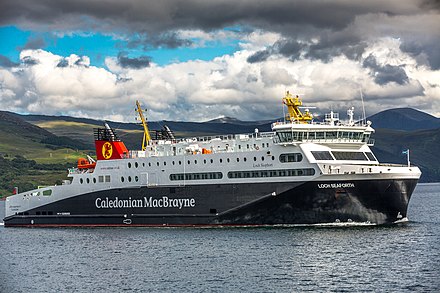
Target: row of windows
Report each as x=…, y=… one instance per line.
x=271, y=173
x=345, y=156
x=47, y=192
x=205, y=161
x=101, y=179
x=300, y=136
x=284, y=158
x=255, y=146
x=129, y=179
x=43, y=213
x=196, y=176
x=244, y=174
x=291, y=157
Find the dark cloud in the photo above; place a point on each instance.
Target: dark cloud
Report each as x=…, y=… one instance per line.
x=312, y=29
x=81, y=61
x=323, y=50
x=34, y=43
x=135, y=63
x=123, y=79
x=288, y=48
x=259, y=56
x=163, y=40
x=29, y=61
x=63, y=63
x=6, y=62
x=417, y=49
x=387, y=73
x=431, y=4
x=167, y=15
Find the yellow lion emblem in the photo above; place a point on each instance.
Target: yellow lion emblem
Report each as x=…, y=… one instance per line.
x=107, y=150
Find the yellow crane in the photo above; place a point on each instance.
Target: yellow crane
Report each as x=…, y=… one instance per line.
x=147, y=138
x=293, y=104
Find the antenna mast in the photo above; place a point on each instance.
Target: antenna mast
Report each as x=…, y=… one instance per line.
x=364, y=118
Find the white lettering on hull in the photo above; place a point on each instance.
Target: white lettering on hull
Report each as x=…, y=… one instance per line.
x=150, y=202
x=335, y=185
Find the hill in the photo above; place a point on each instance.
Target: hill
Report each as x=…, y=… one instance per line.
x=32, y=156
x=424, y=148
x=404, y=119
x=82, y=129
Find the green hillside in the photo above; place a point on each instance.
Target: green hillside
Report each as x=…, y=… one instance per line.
x=31, y=156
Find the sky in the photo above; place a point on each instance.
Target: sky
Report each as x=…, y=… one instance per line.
x=195, y=60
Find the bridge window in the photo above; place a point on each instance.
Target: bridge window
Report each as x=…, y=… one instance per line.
x=370, y=156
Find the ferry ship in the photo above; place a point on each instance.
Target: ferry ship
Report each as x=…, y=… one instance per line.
x=302, y=172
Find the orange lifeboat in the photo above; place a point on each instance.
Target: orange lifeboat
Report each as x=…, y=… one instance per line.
x=83, y=163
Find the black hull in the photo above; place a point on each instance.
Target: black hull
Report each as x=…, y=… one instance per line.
x=373, y=201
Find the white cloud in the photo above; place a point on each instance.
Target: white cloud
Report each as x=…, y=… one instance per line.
x=225, y=86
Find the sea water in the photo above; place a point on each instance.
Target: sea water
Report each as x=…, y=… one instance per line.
x=400, y=258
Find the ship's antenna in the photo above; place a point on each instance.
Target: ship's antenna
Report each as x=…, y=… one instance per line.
x=364, y=118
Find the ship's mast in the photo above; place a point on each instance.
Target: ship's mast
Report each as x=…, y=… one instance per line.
x=147, y=137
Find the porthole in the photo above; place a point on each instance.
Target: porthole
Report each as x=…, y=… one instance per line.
x=136, y=178
x=136, y=164
x=149, y=164
x=238, y=159
x=164, y=163
x=129, y=178
x=262, y=158
x=122, y=179
x=245, y=159
x=157, y=164
x=174, y=163
x=221, y=160
x=212, y=161
x=204, y=161
x=143, y=164
x=227, y=160
x=94, y=180
x=189, y=162
x=180, y=162
x=88, y=180
x=81, y=181
x=129, y=165
x=255, y=159
x=195, y=161
x=273, y=158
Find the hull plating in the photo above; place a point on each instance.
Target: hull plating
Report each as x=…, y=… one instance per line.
x=365, y=201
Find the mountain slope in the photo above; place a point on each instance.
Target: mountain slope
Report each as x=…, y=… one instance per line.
x=404, y=119
x=424, y=148
x=18, y=137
